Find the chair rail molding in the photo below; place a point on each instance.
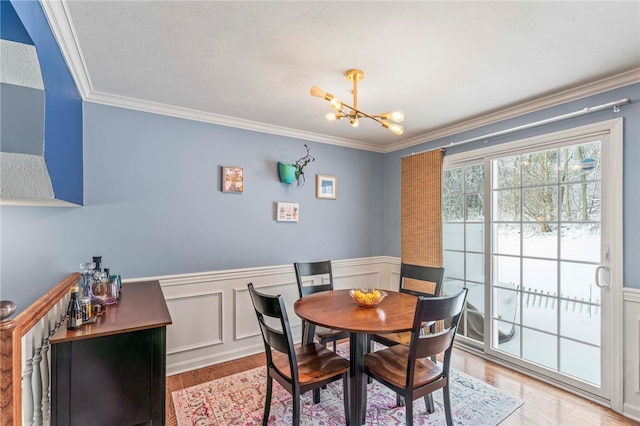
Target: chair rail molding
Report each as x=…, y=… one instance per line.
x=209, y=309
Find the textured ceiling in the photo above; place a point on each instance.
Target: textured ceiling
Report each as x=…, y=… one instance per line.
x=251, y=64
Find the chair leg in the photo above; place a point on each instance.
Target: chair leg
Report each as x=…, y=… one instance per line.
x=296, y=409
x=428, y=402
x=316, y=395
x=409, y=410
x=447, y=405
x=399, y=400
x=267, y=402
x=368, y=349
x=316, y=392
x=345, y=397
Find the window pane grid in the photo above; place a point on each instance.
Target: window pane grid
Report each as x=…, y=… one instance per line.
x=463, y=235
x=545, y=217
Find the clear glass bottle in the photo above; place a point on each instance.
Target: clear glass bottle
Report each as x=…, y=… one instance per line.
x=112, y=288
x=87, y=270
x=74, y=313
x=99, y=285
x=89, y=282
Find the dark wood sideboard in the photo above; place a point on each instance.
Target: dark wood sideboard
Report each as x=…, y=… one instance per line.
x=113, y=372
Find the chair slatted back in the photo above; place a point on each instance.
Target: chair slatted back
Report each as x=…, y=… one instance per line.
x=421, y=280
x=310, y=269
x=429, y=309
x=279, y=339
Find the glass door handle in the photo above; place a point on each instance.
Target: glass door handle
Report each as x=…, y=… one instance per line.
x=598, y=283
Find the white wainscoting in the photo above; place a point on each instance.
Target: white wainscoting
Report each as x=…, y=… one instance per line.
x=631, y=358
x=214, y=321
x=213, y=318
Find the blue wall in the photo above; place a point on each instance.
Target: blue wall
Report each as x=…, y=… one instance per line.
x=631, y=162
x=153, y=205
x=63, y=105
x=11, y=27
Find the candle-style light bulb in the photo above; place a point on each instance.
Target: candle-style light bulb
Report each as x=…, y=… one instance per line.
x=395, y=128
x=396, y=116
x=317, y=92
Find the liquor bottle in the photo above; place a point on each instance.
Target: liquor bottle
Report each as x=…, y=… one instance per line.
x=74, y=313
x=98, y=261
x=97, y=274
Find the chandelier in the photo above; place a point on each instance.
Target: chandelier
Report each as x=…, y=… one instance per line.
x=352, y=113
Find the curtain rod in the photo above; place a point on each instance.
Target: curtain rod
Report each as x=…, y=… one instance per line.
x=615, y=105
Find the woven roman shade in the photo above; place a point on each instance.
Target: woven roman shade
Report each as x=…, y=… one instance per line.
x=421, y=209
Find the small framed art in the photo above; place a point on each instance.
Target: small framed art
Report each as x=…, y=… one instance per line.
x=287, y=212
x=326, y=186
x=232, y=179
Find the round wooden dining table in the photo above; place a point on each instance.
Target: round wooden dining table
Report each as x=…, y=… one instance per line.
x=337, y=310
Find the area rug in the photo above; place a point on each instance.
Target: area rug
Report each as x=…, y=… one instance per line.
x=239, y=400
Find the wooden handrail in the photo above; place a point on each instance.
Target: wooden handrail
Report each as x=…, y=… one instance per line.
x=11, y=333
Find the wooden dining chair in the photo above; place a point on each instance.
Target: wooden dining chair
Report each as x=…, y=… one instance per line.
x=298, y=370
x=418, y=281
x=410, y=370
x=317, y=269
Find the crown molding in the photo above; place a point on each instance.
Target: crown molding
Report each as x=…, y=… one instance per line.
x=223, y=120
x=609, y=83
x=62, y=27
x=60, y=22
x=606, y=84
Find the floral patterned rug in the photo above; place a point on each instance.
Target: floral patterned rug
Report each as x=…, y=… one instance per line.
x=239, y=400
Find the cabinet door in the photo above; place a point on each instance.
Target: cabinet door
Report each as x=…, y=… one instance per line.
x=111, y=380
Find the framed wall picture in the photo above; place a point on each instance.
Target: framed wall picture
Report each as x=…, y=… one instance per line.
x=287, y=212
x=326, y=186
x=232, y=179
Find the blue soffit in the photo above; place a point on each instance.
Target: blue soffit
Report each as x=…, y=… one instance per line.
x=61, y=157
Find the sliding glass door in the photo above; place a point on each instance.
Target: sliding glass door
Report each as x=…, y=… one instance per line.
x=530, y=231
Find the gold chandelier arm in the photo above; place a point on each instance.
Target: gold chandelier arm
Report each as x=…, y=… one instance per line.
x=362, y=114
x=354, y=75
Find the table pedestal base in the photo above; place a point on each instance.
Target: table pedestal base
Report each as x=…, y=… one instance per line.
x=357, y=379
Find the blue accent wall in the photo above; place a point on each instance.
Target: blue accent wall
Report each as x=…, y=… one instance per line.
x=63, y=106
x=11, y=27
x=153, y=205
x=631, y=160
x=153, y=202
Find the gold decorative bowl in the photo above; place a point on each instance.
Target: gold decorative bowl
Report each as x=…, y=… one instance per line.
x=367, y=297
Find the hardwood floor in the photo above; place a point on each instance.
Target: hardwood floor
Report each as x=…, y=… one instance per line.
x=543, y=404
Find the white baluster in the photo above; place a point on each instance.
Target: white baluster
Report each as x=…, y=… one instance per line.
x=36, y=366
x=27, y=370
x=53, y=322
x=36, y=377
x=44, y=367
